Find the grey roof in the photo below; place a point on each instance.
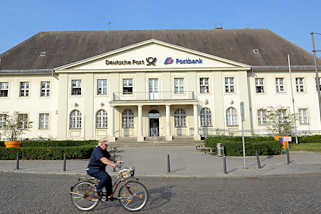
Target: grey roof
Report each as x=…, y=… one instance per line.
x=64, y=47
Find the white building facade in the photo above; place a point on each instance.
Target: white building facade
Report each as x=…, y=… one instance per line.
x=155, y=89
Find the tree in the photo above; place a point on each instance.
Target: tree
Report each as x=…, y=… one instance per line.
x=15, y=126
x=280, y=120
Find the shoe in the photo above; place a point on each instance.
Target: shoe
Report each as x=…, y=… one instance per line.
x=111, y=198
x=100, y=195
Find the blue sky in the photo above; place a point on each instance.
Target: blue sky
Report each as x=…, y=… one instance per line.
x=291, y=19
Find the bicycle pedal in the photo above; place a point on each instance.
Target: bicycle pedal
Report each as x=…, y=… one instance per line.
x=104, y=198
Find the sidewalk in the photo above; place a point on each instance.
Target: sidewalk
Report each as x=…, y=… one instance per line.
x=184, y=162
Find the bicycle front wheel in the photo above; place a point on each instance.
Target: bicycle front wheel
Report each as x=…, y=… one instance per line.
x=84, y=196
x=133, y=196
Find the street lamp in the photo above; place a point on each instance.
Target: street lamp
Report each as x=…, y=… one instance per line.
x=317, y=80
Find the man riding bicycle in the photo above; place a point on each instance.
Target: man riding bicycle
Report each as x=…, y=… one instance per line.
x=99, y=158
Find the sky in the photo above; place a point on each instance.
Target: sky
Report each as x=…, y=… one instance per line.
x=293, y=20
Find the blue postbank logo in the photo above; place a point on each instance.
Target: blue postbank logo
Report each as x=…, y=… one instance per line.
x=170, y=60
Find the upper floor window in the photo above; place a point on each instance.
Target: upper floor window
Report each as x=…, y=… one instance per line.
x=101, y=87
x=45, y=89
x=259, y=85
x=23, y=121
x=299, y=84
x=180, y=118
x=24, y=89
x=261, y=116
x=303, y=116
x=229, y=84
x=4, y=89
x=127, y=86
x=206, y=117
x=128, y=119
x=75, y=87
x=101, y=119
x=179, y=85
x=3, y=118
x=75, y=120
x=231, y=117
x=204, y=89
x=43, y=121
x=279, y=84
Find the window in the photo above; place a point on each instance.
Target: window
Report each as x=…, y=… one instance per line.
x=279, y=85
x=204, y=89
x=303, y=116
x=75, y=120
x=206, y=117
x=3, y=118
x=229, y=84
x=45, y=89
x=299, y=84
x=261, y=117
x=4, y=89
x=127, y=86
x=259, y=85
x=180, y=118
x=75, y=87
x=23, y=121
x=282, y=115
x=24, y=89
x=43, y=120
x=101, y=87
x=101, y=119
x=179, y=85
x=231, y=117
x=128, y=119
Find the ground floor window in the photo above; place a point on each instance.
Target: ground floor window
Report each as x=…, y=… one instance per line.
x=43, y=120
x=127, y=119
x=231, y=117
x=75, y=120
x=206, y=116
x=101, y=119
x=180, y=118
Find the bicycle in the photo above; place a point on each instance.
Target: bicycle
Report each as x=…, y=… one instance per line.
x=132, y=194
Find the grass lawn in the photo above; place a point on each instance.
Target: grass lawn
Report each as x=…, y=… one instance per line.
x=311, y=147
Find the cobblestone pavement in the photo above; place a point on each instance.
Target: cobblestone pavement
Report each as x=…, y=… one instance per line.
x=297, y=194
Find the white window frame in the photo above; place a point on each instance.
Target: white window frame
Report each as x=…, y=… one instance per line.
x=261, y=117
x=4, y=89
x=76, y=87
x=44, y=121
x=180, y=118
x=279, y=85
x=206, y=117
x=231, y=117
x=128, y=86
x=303, y=116
x=75, y=119
x=178, y=85
x=259, y=85
x=101, y=86
x=24, y=89
x=127, y=119
x=3, y=119
x=204, y=85
x=229, y=84
x=299, y=82
x=44, y=88
x=101, y=119
x=23, y=119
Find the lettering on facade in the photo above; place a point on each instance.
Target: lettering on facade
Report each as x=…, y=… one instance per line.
x=148, y=62
x=170, y=60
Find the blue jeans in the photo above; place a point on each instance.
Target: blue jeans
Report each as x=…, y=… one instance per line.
x=104, y=180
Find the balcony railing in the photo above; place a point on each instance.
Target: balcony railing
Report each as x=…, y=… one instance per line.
x=160, y=95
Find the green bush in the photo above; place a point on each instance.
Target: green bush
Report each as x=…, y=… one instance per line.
x=57, y=143
x=309, y=139
x=233, y=145
x=2, y=144
x=47, y=153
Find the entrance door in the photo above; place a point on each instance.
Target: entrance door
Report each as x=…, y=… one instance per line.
x=153, y=89
x=154, y=127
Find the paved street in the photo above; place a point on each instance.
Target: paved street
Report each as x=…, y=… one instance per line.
x=43, y=193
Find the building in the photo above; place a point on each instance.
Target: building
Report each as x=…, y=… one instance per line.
x=154, y=83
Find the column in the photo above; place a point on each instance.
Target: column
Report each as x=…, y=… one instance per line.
x=196, y=133
x=168, y=137
x=111, y=136
x=140, y=137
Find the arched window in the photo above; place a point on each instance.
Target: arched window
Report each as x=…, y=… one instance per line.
x=231, y=117
x=180, y=118
x=75, y=120
x=127, y=119
x=101, y=119
x=261, y=116
x=206, y=117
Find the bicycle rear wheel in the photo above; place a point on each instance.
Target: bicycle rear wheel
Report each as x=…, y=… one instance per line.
x=133, y=196
x=84, y=196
